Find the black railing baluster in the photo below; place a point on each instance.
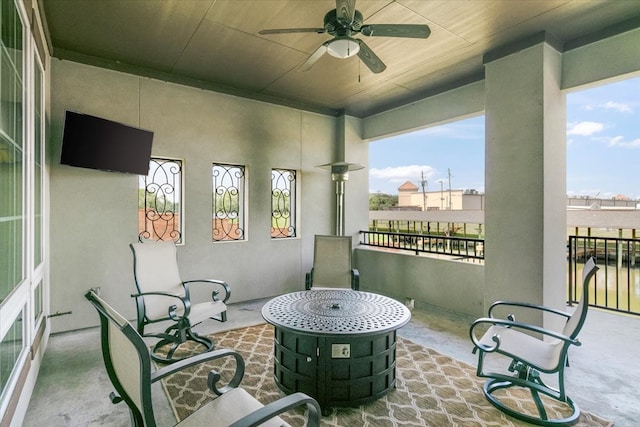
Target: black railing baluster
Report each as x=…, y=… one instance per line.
x=606, y=295
x=424, y=243
x=572, y=257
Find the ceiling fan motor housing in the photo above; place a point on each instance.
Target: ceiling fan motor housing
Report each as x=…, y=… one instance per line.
x=337, y=28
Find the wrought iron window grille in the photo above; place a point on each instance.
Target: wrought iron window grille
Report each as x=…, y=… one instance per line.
x=283, y=203
x=228, y=202
x=160, y=201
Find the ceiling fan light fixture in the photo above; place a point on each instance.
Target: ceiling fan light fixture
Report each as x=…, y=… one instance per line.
x=343, y=47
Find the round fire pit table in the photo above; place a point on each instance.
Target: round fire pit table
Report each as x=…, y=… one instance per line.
x=338, y=346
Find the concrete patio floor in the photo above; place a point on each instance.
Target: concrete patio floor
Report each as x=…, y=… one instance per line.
x=72, y=388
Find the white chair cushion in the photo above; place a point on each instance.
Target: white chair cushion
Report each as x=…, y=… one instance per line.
x=156, y=269
x=332, y=261
x=227, y=409
x=541, y=354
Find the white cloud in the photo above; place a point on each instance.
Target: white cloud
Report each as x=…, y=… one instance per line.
x=584, y=128
x=610, y=105
x=622, y=108
x=401, y=174
x=614, y=141
x=618, y=141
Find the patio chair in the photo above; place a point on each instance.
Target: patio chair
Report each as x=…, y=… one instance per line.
x=532, y=350
x=163, y=297
x=128, y=364
x=332, y=264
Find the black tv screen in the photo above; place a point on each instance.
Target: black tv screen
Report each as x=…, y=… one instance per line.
x=95, y=143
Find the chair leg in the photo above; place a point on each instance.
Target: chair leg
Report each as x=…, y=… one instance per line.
x=222, y=318
x=528, y=378
x=204, y=341
x=174, y=337
x=160, y=354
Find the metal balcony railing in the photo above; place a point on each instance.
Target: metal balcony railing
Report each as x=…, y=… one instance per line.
x=457, y=247
x=617, y=283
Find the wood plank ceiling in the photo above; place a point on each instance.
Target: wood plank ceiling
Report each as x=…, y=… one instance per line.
x=215, y=44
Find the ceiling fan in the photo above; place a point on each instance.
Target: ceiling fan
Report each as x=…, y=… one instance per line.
x=343, y=23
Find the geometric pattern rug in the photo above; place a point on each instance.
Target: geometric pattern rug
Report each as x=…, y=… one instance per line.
x=431, y=389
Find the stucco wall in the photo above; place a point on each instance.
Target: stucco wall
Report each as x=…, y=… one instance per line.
x=94, y=213
x=453, y=285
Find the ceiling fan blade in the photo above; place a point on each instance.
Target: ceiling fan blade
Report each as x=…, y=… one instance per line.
x=291, y=30
x=345, y=11
x=369, y=58
x=314, y=57
x=396, y=30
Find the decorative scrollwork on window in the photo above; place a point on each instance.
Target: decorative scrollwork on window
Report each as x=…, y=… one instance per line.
x=283, y=203
x=228, y=202
x=159, y=201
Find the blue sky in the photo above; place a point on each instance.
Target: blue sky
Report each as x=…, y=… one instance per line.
x=603, y=148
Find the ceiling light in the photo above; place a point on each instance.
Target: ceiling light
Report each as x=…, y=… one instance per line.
x=343, y=47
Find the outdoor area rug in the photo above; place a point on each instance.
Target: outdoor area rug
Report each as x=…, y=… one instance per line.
x=431, y=389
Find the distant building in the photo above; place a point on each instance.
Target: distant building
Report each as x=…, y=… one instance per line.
x=618, y=202
x=410, y=197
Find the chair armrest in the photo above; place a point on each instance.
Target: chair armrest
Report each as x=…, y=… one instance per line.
x=278, y=407
x=164, y=294
x=201, y=358
x=172, y=308
x=527, y=306
x=515, y=325
x=214, y=295
x=355, y=279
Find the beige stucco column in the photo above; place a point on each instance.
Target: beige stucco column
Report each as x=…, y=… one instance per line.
x=525, y=176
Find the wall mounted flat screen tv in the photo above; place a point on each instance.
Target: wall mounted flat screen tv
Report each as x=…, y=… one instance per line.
x=96, y=143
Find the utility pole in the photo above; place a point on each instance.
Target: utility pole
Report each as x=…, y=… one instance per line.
x=424, y=184
x=441, y=181
x=449, y=171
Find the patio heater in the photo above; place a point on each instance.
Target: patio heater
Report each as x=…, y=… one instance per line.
x=340, y=175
